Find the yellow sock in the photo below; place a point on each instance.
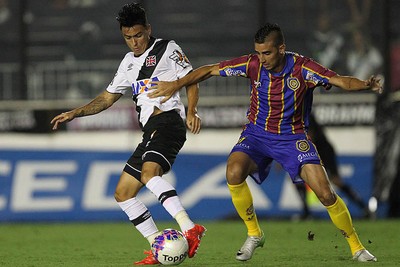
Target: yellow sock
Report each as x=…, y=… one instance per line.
x=341, y=218
x=243, y=202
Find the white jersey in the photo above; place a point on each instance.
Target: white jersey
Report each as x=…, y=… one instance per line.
x=164, y=60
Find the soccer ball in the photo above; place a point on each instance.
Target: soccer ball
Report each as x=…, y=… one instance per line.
x=170, y=247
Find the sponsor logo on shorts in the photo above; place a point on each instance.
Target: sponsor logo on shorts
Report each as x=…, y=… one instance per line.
x=243, y=145
x=293, y=83
x=302, y=145
x=303, y=156
x=239, y=143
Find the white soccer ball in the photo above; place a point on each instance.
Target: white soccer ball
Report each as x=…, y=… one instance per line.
x=170, y=247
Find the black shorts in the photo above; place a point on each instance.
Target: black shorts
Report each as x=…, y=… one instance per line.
x=163, y=137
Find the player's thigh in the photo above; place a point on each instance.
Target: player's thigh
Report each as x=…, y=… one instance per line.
x=163, y=146
x=316, y=178
x=127, y=187
x=239, y=166
x=149, y=170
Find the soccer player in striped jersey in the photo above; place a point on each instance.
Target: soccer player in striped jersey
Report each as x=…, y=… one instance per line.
x=281, y=94
x=164, y=130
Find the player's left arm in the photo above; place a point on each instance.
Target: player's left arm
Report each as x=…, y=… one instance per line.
x=193, y=121
x=351, y=83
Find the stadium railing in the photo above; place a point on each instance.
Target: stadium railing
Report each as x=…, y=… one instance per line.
x=66, y=83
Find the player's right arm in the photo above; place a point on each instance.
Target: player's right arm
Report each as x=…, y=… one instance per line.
x=100, y=103
x=167, y=89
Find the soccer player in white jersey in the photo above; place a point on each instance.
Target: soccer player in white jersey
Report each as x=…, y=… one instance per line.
x=164, y=130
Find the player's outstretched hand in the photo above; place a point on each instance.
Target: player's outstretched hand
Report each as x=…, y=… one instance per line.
x=63, y=117
x=375, y=84
x=162, y=88
x=193, y=122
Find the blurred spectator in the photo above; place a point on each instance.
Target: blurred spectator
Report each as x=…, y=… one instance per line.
x=363, y=58
x=5, y=12
x=8, y=36
x=88, y=43
x=87, y=46
x=360, y=11
x=395, y=66
x=62, y=4
x=326, y=44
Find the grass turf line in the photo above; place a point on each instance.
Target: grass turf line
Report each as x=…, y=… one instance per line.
x=119, y=244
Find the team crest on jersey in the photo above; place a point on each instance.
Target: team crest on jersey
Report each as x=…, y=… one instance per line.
x=151, y=61
x=180, y=58
x=302, y=145
x=293, y=83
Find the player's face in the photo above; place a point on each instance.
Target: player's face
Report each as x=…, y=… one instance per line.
x=270, y=56
x=137, y=38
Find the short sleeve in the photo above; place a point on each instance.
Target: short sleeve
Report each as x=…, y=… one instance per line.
x=178, y=60
x=234, y=67
x=120, y=83
x=315, y=74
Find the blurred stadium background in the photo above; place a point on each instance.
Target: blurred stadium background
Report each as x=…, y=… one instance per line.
x=59, y=54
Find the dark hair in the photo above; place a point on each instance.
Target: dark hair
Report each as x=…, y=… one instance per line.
x=131, y=14
x=266, y=31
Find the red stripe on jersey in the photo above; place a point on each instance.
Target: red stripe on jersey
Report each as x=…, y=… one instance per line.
x=297, y=119
x=253, y=67
x=276, y=103
x=254, y=105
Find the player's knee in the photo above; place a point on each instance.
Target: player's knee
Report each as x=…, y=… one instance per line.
x=118, y=197
x=234, y=174
x=121, y=195
x=149, y=170
x=327, y=198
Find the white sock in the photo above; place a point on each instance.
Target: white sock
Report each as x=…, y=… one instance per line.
x=185, y=223
x=166, y=194
x=151, y=238
x=140, y=216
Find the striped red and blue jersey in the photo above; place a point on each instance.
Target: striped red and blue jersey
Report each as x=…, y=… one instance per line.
x=280, y=103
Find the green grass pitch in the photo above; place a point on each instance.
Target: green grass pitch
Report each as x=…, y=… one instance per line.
x=119, y=244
